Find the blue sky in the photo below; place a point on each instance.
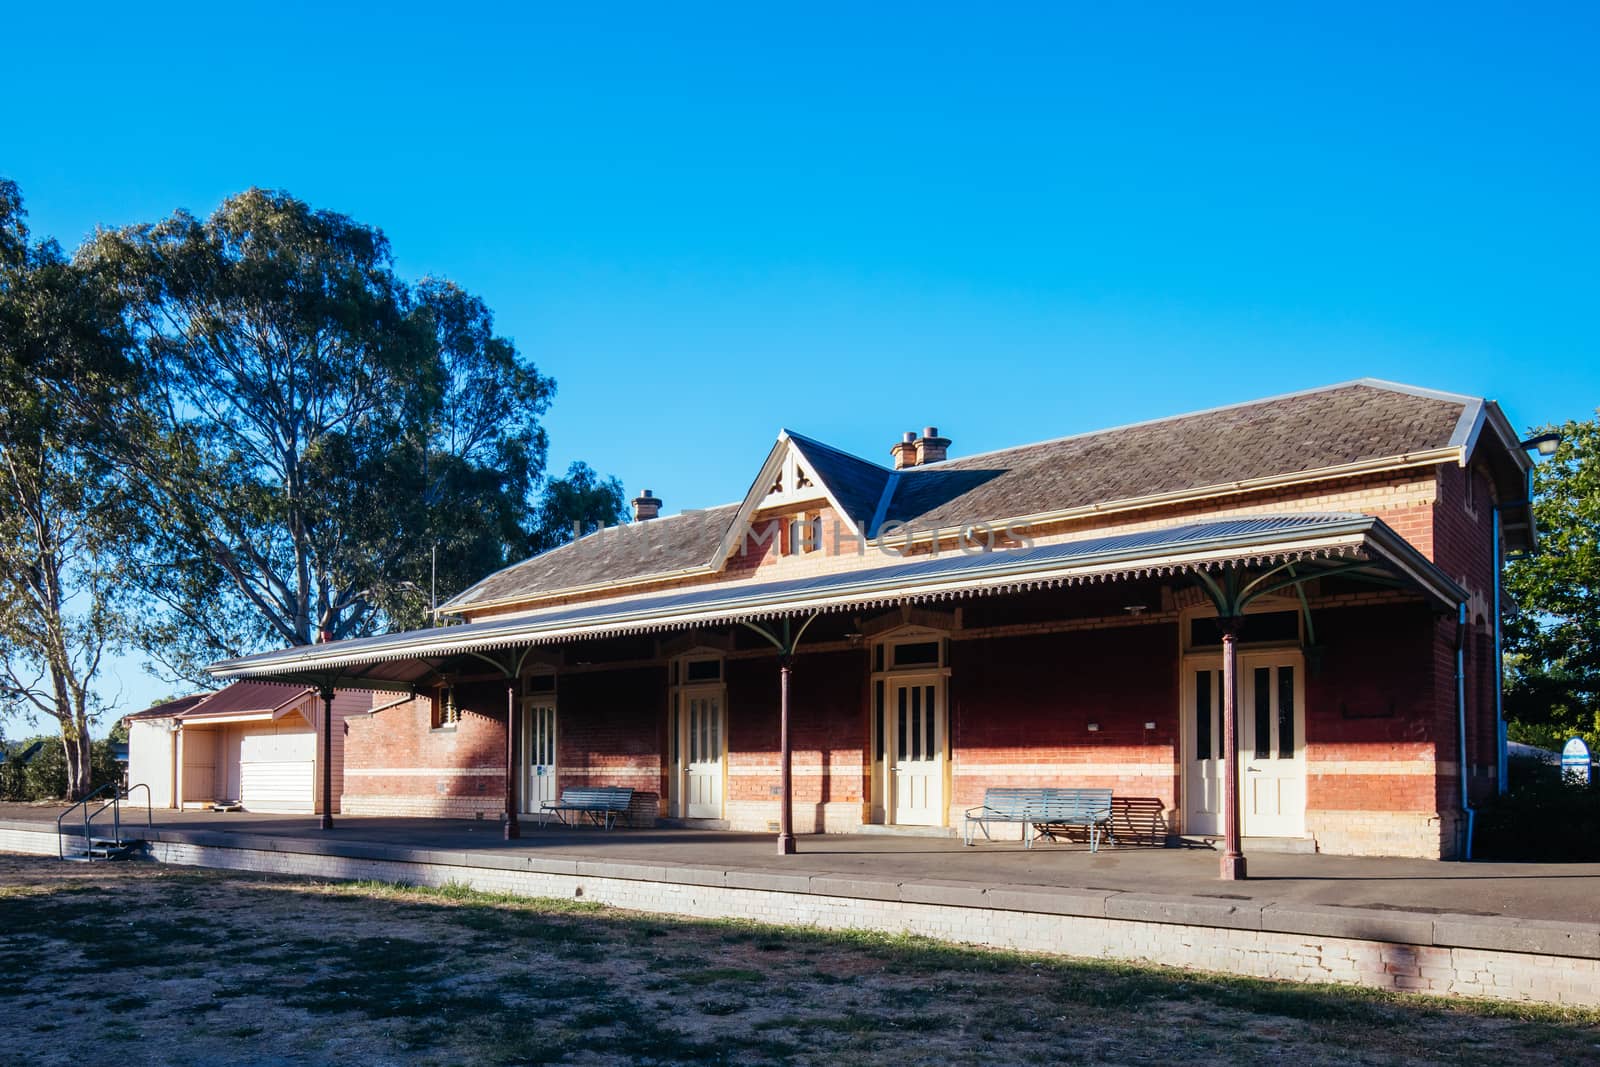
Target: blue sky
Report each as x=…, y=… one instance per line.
x=710, y=222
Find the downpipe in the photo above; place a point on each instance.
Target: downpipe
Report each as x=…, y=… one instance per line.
x=1461, y=727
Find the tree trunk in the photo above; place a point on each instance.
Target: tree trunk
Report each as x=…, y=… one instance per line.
x=77, y=746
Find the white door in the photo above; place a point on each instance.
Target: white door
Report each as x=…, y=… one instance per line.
x=702, y=743
x=1272, y=799
x=538, y=753
x=1202, y=736
x=916, y=723
x=1271, y=740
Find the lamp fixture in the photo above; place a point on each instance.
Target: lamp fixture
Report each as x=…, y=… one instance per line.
x=1545, y=443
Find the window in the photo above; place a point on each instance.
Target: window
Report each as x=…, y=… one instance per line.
x=446, y=712
x=702, y=670
x=917, y=654
x=915, y=650
x=805, y=535
x=1273, y=627
x=541, y=683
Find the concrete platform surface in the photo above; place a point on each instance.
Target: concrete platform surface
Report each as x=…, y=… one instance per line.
x=873, y=865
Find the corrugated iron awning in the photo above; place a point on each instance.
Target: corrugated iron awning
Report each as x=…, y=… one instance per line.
x=1355, y=543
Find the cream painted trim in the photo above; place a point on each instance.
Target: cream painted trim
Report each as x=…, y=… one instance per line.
x=799, y=770
x=1430, y=458
x=1424, y=767
x=1165, y=770
x=224, y=720
x=425, y=772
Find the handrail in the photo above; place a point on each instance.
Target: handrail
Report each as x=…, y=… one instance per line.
x=84, y=804
x=115, y=804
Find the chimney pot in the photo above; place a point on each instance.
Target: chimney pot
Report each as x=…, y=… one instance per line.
x=905, y=451
x=931, y=448
x=646, y=506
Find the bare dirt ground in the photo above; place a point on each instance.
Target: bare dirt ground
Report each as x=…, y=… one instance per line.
x=134, y=963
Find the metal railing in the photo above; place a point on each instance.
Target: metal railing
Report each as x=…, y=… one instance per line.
x=115, y=804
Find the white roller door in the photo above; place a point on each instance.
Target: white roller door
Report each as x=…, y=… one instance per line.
x=275, y=770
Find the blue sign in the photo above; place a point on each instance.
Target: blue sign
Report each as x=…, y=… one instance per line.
x=1575, y=760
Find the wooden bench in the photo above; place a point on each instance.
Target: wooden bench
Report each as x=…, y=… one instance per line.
x=601, y=804
x=1044, y=812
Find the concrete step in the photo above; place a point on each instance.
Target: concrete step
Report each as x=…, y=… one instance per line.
x=1298, y=845
x=908, y=831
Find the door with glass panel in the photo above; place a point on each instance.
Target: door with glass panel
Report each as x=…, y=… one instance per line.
x=916, y=736
x=701, y=715
x=1271, y=743
x=1202, y=738
x=538, y=753
x=1272, y=793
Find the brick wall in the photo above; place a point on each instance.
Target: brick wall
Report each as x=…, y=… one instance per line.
x=396, y=763
x=828, y=737
x=1021, y=709
x=611, y=731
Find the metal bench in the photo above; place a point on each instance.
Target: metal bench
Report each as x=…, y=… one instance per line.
x=1069, y=809
x=1043, y=813
x=601, y=804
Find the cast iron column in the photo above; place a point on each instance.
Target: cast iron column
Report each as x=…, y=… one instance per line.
x=1233, y=866
x=327, y=758
x=513, y=828
x=785, y=812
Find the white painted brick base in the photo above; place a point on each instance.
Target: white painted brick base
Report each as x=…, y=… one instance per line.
x=1261, y=954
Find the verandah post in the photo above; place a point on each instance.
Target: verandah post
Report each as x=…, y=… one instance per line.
x=786, y=789
x=513, y=827
x=326, y=693
x=1233, y=864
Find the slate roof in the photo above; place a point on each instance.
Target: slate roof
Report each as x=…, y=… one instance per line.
x=1279, y=436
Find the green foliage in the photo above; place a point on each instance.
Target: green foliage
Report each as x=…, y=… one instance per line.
x=1545, y=820
x=44, y=777
x=316, y=436
x=576, y=505
x=67, y=519
x=1552, y=637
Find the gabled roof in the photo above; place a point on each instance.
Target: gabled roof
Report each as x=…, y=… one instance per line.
x=241, y=700
x=1337, y=430
x=168, y=709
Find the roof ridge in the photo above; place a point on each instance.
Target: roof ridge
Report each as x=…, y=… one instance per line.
x=806, y=439
x=1371, y=383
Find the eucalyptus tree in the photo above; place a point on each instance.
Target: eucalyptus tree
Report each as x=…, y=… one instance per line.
x=311, y=427
x=1553, y=635
x=67, y=517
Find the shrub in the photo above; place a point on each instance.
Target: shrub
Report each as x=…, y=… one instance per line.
x=1546, y=820
x=44, y=777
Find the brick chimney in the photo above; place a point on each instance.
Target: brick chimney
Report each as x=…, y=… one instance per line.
x=905, y=451
x=646, y=506
x=931, y=448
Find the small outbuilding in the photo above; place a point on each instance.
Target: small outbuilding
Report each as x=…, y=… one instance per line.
x=252, y=745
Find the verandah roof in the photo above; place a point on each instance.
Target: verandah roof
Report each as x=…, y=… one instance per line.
x=1355, y=545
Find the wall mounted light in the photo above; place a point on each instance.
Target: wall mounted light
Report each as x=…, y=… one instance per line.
x=1545, y=443
x=1094, y=728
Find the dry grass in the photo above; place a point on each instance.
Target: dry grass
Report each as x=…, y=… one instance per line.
x=132, y=964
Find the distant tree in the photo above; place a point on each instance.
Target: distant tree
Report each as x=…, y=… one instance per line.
x=577, y=504
x=66, y=517
x=1552, y=637
x=312, y=429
